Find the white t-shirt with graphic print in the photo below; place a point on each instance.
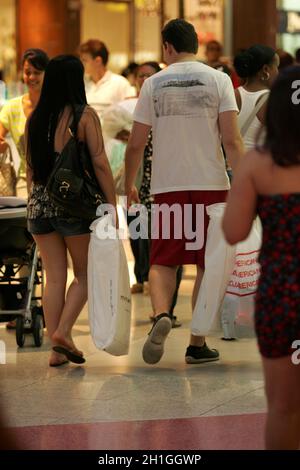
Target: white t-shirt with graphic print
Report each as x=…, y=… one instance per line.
x=182, y=103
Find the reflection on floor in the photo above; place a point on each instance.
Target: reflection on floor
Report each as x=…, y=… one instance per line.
x=122, y=403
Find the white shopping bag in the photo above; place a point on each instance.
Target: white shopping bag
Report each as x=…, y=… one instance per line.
x=239, y=301
x=219, y=260
x=109, y=299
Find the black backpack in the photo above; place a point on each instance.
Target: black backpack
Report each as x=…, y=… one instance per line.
x=72, y=184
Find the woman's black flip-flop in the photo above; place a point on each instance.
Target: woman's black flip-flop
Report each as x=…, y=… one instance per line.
x=76, y=358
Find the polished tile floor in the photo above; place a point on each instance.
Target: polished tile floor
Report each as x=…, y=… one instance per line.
x=122, y=403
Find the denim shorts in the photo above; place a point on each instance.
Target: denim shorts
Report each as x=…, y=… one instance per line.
x=65, y=226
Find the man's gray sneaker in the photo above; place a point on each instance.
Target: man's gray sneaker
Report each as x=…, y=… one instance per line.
x=154, y=347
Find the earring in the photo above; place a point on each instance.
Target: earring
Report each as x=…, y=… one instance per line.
x=266, y=77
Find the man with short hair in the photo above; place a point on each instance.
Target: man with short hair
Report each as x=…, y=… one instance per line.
x=103, y=87
x=191, y=109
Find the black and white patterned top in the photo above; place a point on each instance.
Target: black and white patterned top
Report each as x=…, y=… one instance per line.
x=145, y=196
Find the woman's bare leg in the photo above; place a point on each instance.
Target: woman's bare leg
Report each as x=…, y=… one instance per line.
x=282, y=381
x=77, y=292
x=54, y=256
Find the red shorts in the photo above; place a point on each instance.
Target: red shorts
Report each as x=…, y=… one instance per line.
x=179, y=236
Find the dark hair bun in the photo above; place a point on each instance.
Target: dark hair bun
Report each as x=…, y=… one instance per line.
x=244, y=64
x=250, y=62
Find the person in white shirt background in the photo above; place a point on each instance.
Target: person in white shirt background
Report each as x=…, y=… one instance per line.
x=103, y=87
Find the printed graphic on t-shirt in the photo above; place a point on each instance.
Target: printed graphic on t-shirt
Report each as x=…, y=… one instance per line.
x=178, y=95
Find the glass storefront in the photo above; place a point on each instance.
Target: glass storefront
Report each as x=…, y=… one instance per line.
x=139, y=23
x=8, y=39
x=208, y=18
x=130, y=28
x=288, y=37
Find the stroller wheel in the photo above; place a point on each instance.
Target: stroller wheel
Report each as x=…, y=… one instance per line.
x=20, y=331
x=40, y=311
x=37, y=326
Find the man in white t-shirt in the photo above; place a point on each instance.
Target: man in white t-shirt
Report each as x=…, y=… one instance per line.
x=103, y=88
x=191, y=109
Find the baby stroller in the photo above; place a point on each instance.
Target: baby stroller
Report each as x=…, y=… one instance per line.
x=20, y=272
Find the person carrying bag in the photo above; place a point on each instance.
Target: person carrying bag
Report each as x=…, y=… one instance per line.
x=68, y=174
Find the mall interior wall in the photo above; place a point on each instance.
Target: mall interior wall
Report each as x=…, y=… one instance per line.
x=58, y=26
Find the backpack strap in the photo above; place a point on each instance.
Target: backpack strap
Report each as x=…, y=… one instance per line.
x=261, y=101
x=76, y=118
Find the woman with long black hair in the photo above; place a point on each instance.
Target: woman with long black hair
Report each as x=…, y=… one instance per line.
x=54, y=231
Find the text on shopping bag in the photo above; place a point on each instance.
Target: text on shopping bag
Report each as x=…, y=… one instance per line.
x=245, y=276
